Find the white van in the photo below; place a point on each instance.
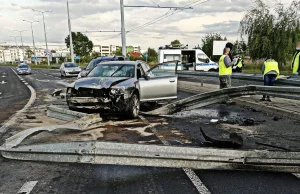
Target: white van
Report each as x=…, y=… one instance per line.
x=190, y=59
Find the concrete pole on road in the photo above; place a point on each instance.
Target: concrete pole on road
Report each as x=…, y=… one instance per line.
x=32, y=40
x=47, y=52
x=123, y=28
x=20, y=31
x=70, y=33
x=17, y=47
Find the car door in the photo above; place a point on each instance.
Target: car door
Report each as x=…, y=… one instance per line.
x=157, y=84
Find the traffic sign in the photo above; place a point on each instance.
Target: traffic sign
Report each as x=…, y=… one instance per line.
x=77, y=57
x=146, y=55
x=35, y=58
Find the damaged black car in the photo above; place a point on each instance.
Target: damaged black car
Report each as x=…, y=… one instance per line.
x=120, y=86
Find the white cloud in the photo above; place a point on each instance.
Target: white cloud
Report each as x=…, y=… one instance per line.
x=88, y=15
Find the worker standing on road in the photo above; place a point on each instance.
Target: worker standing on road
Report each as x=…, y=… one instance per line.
x=296, y=60
x=225, y=69
x=271, y=73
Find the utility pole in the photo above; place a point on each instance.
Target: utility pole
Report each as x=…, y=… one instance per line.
x=70, y=33
x=20, y=31
x=32, y=39
x=17, y=47
x=123, y=28
x=47, y=51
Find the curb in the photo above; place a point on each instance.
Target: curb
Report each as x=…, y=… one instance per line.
x=13, y=118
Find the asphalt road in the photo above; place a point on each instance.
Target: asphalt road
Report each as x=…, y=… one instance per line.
x=13, y=94
x=83, y=178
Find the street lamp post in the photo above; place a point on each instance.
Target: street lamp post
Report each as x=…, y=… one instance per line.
x=17, y=47
x=20, y=31
x=47, y=52
x=31, y=22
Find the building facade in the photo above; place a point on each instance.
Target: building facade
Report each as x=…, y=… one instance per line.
x=106, y=50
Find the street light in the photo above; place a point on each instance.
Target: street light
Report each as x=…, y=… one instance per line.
x=20, y=31
x=17, y=47
x=45, y=31
x=31, y=22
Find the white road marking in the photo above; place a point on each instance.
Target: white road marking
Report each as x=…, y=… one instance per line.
x=3, y=82
x=296, y=175
x=201, y=188
x=27, y=187
x=3, y=76
x=13, y=118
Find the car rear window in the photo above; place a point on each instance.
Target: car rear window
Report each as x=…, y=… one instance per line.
x=23, y=66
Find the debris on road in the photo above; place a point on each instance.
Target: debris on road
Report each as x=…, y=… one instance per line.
x=234, y=141
x=63, y=113
x=30, y=117
x=214, y=121
x=56, y=92
x=276, y=118
x=249, y=121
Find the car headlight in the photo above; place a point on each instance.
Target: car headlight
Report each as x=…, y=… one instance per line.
x=79, y=75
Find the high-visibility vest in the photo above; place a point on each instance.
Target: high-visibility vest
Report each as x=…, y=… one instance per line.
x=295, y=63
x=240, y=64
x=271, y=66
x=223, y=70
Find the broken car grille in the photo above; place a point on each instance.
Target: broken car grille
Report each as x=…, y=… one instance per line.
x=87, y=92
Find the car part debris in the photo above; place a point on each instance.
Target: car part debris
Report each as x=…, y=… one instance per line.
x=63, y=113
x=85, y=123
x=248, y=122
x=56, y=92
x=201, y=100
x=234, y=141
x=30, y=117
x=95, y=152
x=272, y=146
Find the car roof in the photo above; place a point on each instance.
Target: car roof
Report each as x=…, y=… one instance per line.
x=120, y=62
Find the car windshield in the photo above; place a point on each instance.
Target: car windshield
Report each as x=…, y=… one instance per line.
x=113, y=70
x=70, y=65
x=23, y=67
x=92, y=64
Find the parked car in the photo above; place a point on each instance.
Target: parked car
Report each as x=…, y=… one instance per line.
x=98, y=60
x=120, y=86
x=69, y=69
x=23, y=69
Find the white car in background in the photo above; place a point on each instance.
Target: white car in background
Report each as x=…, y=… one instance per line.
x=69, y=69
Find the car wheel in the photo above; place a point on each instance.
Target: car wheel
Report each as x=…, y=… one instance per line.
x=133, y=106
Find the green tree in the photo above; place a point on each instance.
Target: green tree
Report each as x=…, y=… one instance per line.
x=152, y=52
x=118, y=51
x=29, y=53
x=81, y=44
x=95, y=54
x=239, y=48
x=208, y=41
x=271, y=32
x=175, y=43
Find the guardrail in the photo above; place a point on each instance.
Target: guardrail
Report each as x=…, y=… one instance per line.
x=291, y=81
x=201, y=100
x=94, y=152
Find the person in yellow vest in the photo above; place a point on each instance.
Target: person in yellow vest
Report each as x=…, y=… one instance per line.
x=296, y=60
x=270, y=73
x=225, y=69
x=239, y=64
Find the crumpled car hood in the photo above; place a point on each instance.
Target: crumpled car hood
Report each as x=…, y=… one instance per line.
x=98, y=82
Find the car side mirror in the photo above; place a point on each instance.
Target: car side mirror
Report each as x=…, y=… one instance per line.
x=207, y=60
x=146, y=76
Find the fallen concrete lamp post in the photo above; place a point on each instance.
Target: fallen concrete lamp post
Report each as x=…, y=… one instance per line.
x=94, y=152
x=201, y=100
